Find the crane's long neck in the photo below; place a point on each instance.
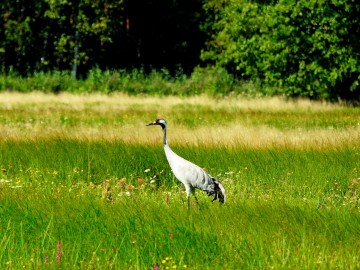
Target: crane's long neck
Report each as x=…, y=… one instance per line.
x=164, y=131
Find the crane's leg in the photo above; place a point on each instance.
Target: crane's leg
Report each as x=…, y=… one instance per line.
x=190, y=191
x=196, y=200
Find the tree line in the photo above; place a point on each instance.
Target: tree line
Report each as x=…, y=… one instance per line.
x=297, y=48
x=46, y=35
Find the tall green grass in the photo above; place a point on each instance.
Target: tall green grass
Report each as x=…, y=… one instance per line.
x=111, y=205
x=69, y=201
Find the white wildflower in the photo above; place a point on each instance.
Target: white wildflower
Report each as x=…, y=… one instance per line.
x=5, y=181
x=15, y=186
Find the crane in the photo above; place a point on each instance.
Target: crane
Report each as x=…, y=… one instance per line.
x=191, y=175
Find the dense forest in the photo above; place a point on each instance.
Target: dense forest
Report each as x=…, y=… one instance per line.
x=298, y=48
x=111, y=34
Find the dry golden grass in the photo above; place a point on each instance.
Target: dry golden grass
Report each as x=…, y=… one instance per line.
x=120, y=117
x=122, y=102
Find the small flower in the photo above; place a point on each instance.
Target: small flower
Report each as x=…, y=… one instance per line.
x=120, y=183
x=141, y=181
x=59, y=252
x=147, y=170
x=129, y=187
x=5, y=181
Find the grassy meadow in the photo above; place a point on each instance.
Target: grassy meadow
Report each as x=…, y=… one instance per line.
x=84, y=184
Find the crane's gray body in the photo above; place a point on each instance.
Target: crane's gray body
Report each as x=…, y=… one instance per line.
x=191, y=175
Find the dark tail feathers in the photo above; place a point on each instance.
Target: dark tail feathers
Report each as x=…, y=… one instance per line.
x=219, y=191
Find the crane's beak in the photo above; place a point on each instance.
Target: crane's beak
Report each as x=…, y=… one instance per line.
x=151, y=124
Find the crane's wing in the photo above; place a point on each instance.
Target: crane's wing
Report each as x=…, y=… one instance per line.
x=193, y=176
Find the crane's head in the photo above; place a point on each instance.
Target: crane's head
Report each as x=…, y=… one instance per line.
x=161, y=122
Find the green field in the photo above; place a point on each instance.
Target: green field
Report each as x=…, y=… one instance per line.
x=84, y=184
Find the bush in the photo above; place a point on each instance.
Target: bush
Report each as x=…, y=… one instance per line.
x=211, y=81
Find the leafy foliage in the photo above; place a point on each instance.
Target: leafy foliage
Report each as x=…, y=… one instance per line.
x=212, y=81
x=306, y=48
x=303, y=48
x=83, y=23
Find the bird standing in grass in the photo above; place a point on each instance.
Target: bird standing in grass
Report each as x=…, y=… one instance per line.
x=191, y=175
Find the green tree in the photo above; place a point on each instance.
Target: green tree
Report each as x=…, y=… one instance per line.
x=304, y=48
x=84, y=28
x=22, y=39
